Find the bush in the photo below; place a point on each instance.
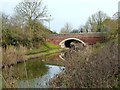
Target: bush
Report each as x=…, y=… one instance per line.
x=89, y=69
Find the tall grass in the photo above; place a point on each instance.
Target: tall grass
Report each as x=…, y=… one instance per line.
x=13, y=55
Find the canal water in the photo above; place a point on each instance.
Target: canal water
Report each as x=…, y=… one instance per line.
x=41, y=81
x=37, y=72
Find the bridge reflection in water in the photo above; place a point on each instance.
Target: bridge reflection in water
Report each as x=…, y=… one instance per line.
x=76, y=48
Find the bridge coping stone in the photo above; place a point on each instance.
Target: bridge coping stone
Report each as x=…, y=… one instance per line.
x=90, y=34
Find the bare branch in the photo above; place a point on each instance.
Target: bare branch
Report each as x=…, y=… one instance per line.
x=31, y=11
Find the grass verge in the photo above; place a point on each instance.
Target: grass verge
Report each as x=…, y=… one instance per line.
x=43, y=53
x=46, y=47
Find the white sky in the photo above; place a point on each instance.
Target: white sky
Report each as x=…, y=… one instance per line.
x=75, y=12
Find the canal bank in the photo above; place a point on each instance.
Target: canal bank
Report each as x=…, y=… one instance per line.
x=34, y=73
x=43, y=53
x=13, y=55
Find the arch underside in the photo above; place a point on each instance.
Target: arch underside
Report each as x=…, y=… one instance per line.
x=66, y=42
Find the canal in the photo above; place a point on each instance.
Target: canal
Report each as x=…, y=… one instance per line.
x=35, y=73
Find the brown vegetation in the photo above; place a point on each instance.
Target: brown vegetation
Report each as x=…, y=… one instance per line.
x=94, y=67
x=13, y=55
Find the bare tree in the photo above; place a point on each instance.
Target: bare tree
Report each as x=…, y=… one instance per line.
x=31, y=11
x=67, y=28
x=116, y=16
x=95, y=22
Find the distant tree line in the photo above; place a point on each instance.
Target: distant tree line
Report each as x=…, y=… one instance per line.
x=98, y=22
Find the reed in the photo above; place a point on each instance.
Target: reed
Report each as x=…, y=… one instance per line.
x=13, y=55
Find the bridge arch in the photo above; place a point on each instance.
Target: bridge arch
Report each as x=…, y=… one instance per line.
x=66, y=42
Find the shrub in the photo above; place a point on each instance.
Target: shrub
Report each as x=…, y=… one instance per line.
x=89, y=69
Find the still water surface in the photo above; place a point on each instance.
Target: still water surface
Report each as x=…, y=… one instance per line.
x=37, y=72
x=42, y=81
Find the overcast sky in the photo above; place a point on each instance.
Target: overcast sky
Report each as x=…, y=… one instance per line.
x=75, y=12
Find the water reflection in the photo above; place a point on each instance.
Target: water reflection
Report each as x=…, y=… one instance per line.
x=62, y=55
x=31, y=69
x=35, y=73
x=42, y=82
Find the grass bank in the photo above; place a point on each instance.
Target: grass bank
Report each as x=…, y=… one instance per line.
x=43, y=48
x=47, y=52
x=13, y=55
x=46, y=49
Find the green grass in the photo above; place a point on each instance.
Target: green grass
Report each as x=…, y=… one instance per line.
x=52, y=46
x=47, y=48
x=44, y=48
x=43, y=53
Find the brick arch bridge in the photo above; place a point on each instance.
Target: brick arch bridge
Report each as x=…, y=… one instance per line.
x=64, y=40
